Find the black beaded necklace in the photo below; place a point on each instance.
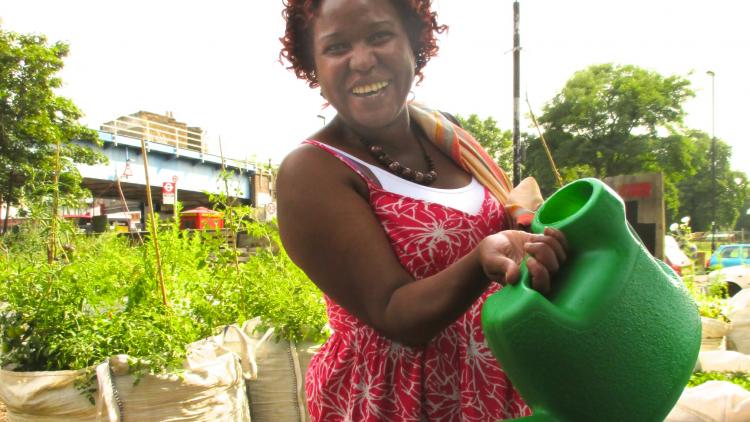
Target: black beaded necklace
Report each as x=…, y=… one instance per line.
x=423, y=178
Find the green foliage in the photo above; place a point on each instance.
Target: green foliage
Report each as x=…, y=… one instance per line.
x=104, y=300
x=610, y=120
x=33, y=119
x=711, y=299
x=287, y=299
x=740, y=378
x=605, y=102
x=497, y=142
x=683, y=234
x=697, y=193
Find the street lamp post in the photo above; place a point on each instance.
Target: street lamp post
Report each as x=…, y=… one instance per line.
x=713, y=160
x=323, y=118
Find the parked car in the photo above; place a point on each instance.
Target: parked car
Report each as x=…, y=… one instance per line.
x=730, y=255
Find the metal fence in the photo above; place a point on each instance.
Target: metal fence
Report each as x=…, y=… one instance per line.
x=175, y=135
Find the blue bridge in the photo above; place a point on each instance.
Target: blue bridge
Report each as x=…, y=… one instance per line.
x=194, y=174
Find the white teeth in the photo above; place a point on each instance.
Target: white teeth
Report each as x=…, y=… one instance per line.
x=369, y=89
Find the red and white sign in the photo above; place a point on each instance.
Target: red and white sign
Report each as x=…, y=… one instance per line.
x=168, y=191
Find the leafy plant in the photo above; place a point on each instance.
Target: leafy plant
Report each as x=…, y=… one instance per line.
x=711, y=300
x=102, y=300
x=740, y=378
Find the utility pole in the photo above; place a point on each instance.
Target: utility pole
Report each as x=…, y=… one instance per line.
x=713, y=162
x=516, y=95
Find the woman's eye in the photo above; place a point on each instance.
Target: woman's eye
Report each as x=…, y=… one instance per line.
x=337, y=48
x=380, y=37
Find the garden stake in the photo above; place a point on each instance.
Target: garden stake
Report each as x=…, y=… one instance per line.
x=544, y=143
x=155, y=233
x=125, y=204
x=55, y=200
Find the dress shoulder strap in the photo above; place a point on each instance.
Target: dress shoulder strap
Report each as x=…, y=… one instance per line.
x=365, y=173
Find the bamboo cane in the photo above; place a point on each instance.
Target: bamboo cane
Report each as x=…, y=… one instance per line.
x=154, y=230
x=544, y=143
x=125, y=204
x=51, y=248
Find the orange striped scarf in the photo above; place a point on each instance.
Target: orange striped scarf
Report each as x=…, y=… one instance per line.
x=460, y=145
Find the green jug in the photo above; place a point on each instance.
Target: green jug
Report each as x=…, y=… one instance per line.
x=618, y=336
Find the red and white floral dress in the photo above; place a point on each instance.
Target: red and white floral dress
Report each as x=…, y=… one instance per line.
x=360, y=375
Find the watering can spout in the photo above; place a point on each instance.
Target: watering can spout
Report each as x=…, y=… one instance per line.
x=617, y=337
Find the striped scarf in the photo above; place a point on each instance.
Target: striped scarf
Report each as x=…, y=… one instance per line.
x=460, y=145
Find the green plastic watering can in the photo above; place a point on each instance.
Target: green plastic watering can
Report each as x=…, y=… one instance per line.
x=618, y=336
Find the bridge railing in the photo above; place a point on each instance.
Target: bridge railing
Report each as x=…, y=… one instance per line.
x=139, y=128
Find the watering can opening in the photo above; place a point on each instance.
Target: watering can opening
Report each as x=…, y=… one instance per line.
x=565, y=203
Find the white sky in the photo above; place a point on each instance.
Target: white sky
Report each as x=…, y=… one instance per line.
x=214, y=64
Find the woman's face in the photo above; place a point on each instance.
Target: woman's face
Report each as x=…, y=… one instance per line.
x=363, y=60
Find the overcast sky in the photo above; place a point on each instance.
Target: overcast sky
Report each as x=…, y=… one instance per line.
x=215, y=64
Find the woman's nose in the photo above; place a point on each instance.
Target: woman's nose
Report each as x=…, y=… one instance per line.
x=363, y=58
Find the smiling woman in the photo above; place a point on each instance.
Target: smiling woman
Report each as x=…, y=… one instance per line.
x=402, y=220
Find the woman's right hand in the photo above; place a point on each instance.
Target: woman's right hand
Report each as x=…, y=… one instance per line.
x=500, y=256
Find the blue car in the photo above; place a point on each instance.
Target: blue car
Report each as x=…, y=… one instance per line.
x=730, y=256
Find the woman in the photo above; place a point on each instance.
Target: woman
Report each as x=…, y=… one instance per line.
x=400, y=237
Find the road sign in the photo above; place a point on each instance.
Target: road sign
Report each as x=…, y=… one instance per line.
x=168, y=191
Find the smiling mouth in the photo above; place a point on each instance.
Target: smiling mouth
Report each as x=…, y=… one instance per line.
x=370, y=89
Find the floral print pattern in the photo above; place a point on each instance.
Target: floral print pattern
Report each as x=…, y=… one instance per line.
x=360, y=375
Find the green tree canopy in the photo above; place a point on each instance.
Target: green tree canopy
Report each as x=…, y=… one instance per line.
x=497, y=142
x=697, y=196
x=610, y=120
x=612, y=112
x=34, y=119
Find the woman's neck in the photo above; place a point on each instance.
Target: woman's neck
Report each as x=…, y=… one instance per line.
x=397, y=137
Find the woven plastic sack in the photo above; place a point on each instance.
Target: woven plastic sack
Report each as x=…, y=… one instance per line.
x=723, y=361
x=713, y=328
x=44, y=396
x=713, y=401
x=210, y=388
x=738, y=306
x=738, y=312
x=278, y=391
x=713, y=332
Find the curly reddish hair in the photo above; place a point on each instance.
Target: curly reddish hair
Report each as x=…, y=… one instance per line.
x=418, y=19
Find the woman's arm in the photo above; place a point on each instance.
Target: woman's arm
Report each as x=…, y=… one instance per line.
x=330, y=231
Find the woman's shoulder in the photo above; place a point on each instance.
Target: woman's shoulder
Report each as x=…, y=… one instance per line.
x=306, y=160
x=308, y=155
x=310, y=166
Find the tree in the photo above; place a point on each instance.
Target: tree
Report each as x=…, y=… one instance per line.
x=610, y=120
x=497, y=142
x=696, y=191
x=35, y=121
x=743, y=222
x=743, y=201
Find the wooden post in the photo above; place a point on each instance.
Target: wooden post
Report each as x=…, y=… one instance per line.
x=516, y=95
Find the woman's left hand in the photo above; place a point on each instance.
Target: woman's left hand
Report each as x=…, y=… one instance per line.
x=501, y=255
